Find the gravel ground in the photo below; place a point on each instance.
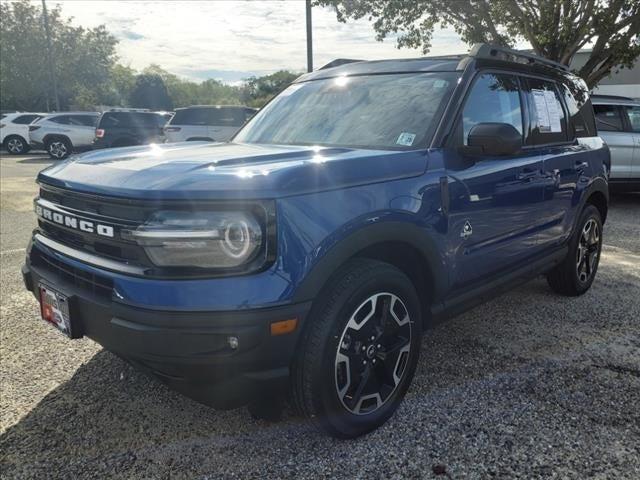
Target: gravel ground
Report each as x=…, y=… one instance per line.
x=530, y=385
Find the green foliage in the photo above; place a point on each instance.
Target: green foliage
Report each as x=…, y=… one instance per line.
x=556, y=29
x=150, y=92
x=259, y=90
x=88, y=73
x=83, y=58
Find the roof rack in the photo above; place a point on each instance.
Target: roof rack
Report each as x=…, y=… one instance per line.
x=337, y=62
x=493, y=52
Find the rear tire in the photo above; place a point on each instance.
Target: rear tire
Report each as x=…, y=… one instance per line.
x=59, y=148
x=16, y=145
x=359, y=351
x=576, y=273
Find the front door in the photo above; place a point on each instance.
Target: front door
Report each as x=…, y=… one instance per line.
x=494, y=202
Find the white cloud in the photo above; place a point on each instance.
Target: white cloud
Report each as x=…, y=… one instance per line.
x=234, y=39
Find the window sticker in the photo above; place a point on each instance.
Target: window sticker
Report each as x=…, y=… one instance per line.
x=548, y=111
x=439, y=83
x=540, y=101
x=555, y=112
x=406, y=139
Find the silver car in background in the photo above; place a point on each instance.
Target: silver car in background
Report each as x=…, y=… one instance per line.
x=618, y=123
x=61, y=134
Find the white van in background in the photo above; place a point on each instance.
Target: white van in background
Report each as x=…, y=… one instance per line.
x=213, y=123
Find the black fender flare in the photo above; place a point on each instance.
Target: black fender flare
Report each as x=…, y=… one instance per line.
x=392, y=231
x=598, y=184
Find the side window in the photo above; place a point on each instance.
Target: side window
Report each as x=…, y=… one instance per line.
x=25, y=119
x=61, y=119
x=195, y=116
x=493, y=98
x=633, y=114
x=547, y=117
x=608, y=118
x=581, y=121
x=84, y=120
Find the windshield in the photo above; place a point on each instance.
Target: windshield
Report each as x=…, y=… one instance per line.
x=391, y=111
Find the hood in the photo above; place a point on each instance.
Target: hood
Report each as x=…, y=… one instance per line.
x=228, y=170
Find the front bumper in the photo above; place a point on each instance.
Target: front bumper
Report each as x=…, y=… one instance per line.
x=191, y=351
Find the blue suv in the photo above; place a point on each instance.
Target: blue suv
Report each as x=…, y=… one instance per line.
x=363, y=205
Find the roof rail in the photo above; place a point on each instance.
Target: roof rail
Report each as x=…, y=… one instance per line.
x=493, y=52
x=337, y=62
x=611, y=97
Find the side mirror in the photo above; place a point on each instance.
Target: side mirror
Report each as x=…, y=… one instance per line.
x=494, y=139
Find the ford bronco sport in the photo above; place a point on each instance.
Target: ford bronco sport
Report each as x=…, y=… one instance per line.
x=363, y=205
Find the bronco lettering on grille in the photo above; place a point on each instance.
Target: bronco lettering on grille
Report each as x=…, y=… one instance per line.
x=71, y=221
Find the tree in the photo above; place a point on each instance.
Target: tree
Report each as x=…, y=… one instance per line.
x=259, y=90
x=83, y=58
x=556, y=29
x=150, y=92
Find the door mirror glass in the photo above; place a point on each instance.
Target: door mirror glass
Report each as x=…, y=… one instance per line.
x=496, y=139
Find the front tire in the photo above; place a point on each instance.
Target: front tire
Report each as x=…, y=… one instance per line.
x=359, y=352
x=16, y=145
x=576, y=273
x=59, y=148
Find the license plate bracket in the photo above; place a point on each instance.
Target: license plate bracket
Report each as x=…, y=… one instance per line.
x=56, y=309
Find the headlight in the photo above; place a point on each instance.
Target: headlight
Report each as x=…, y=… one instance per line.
x=204, y=239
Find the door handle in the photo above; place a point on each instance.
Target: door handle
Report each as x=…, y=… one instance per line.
x=527, y=174
x=581, y=165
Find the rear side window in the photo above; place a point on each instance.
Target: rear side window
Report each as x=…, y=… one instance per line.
x=25, y=119
x=493, y=98
x=84, y=120
x=190, y=116
x=547, y=117
x=214, y=116
x=227, y=117
x=633, y=114
x=608, y=118
x=131, y=119
x=61, y=119
x=581, y=119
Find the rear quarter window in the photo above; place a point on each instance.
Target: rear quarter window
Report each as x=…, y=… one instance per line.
x=581, y=117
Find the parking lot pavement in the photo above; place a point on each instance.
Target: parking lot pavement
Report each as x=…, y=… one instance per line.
x=530, y=385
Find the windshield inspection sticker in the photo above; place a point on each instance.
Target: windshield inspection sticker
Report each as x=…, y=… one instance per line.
x=406, y=139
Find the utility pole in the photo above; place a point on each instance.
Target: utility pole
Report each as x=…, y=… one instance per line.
x=309, y=38
x=52, y=74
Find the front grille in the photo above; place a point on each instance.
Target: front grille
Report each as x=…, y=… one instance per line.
x=96, y=284
x=122, y=215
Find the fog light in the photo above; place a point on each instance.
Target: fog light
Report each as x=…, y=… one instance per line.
x=233, y=342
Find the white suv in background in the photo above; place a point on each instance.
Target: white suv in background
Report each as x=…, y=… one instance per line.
x=618, y=123
x=14, y=131
x=212, y=123
x=61, y=134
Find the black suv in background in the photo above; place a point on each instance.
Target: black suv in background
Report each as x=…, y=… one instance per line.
x=125, y=129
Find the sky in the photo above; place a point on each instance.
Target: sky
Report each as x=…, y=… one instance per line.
x=232, y=40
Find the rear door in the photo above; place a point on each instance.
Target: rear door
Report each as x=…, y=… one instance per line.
x=193, y=124
x=494, y=201
x=82, y=129
x=566, y=163
x=611, y=127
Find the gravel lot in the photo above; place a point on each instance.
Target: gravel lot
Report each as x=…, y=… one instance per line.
x=531, y=385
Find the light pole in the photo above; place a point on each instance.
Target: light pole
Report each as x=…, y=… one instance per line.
x=52, y=74
x=309, y=38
